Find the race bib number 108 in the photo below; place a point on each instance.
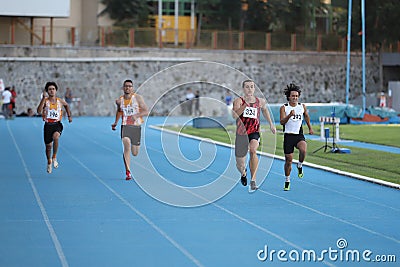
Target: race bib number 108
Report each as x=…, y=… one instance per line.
x=250, y=112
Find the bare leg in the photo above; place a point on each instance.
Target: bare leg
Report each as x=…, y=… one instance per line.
x=56, y=136
x=48, y=152
x=127, y=153
x=135, y=150
x=253, y=145
x=288, y=164
x=302, y=146
x=241, y=165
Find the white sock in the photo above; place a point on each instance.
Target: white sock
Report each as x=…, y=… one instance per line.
x=287, y=178
x=299, y=164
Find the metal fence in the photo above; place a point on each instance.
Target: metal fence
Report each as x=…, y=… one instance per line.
x=171, y=38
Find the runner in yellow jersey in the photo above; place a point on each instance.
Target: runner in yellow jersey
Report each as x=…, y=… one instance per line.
x=51, y=109
x=131, y=108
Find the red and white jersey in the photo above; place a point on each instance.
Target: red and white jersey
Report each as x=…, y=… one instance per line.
x=52, y=111
x=129, y=108
x=249, y=121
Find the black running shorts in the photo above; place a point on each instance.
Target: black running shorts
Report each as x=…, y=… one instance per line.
x=242, y=143
x=290, y=141
x=49, y=129
x=133, y=132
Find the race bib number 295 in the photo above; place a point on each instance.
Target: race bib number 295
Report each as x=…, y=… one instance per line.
x=250, y=112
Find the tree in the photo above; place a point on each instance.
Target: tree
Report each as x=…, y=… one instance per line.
x=277, y=15
x=382, y=21
x=130, y=13
x=381, y=18
x=258, y=17
x=290, y=16
x=218, y=14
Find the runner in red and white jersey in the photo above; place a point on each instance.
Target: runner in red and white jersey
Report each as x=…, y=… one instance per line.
x=246, y=110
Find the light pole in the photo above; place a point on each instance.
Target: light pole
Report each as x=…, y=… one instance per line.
x=348, y=50
x=363, y=54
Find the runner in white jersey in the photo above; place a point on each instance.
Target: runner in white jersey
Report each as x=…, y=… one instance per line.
x=131, y=107
x=292, y=115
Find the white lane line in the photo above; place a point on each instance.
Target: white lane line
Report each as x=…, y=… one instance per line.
x=396, y=186
x=50, y=227
x=144, y=217
x=266, y=230
x=312, y=165
x=312, y=209
x=341, y=193
x=260, y=167
x=216, y=205
x=332, y=217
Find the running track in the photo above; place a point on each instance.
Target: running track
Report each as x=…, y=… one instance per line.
x=86, y=214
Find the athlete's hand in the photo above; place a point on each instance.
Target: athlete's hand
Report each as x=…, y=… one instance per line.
x=292, y=113
x=113, y=126
x=44, y=94
x=273, y=129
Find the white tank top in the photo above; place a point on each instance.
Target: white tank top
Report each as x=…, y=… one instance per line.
x=294, y=124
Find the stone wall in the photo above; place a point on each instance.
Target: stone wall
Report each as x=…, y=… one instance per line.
x=163, y=75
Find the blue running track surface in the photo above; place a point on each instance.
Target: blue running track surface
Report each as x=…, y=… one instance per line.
x=86, y=214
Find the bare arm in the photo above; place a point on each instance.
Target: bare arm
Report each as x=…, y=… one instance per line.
x=41, y=104
x=67, y=109
x=238, y=108
x=283, y=118
x=307, y=119
x=117, y=115
x=143, y=110
x=267, y=116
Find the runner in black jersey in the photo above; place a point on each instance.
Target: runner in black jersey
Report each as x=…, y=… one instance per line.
x=246, y=111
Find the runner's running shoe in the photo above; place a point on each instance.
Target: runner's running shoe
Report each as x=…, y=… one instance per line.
x=300, y=172
x=49, y=168
x=55, y=163
x=287, y=186
x=243, y=179
x=253, y=186
x=128, y=175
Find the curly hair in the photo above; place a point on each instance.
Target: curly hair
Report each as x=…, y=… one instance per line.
x=291, y=87
x=48, y=84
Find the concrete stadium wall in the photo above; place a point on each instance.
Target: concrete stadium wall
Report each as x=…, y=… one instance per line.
x=95, y=75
